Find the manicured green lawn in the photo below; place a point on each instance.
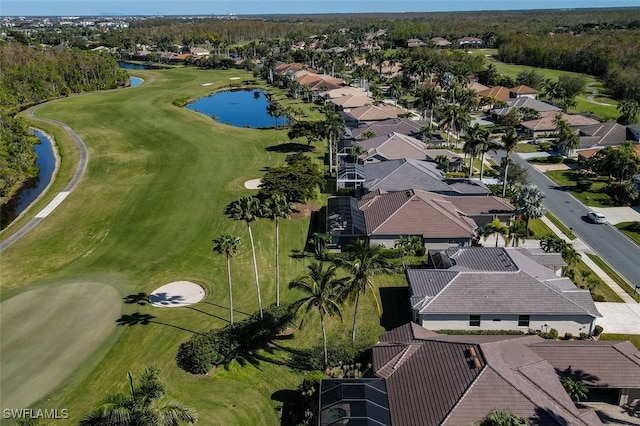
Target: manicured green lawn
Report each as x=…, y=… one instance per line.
x=566, y=231
x=614, y=276
x=568, y=179
x=527, y=147
x=158, y=181
x=624, y=227
x=634, y=338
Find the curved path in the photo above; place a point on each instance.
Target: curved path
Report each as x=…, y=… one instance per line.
x=82, y=167
x=595, y=92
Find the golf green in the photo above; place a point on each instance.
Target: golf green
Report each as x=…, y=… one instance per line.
x=47, y=333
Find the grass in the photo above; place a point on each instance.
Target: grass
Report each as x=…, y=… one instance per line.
x=152, y=199
x=566, y=231
x=568, y=179
x=633, y=338
x=540, y=229
x=624, y=227
x=602, y=112
x=527, y=148
x=614, y=276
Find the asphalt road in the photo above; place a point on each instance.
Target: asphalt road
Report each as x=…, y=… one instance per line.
x=604, y=240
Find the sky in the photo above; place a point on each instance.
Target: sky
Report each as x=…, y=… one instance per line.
x=244, y=7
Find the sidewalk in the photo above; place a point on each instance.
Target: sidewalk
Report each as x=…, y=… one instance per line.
x=582, y=248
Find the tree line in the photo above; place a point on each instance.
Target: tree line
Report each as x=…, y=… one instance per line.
x=30, y=75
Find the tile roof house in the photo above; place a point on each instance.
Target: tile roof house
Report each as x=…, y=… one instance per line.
x=434, y=379
x=371, y=114
x=383, y=217
x=393, y=125
x=610, y=368
x=545, y=124
x=473, y=41
x=523, y=91
x=392, y=146
x=349, y=102
x=440, y=42
x=524, y=102
x=602, y=134
x=402, y=174
x=416, y=42
x=456, y=162
x=344, y=91
x=486, y=288
x=499, y=93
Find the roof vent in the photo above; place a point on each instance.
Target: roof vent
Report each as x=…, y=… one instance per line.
x=474, y=357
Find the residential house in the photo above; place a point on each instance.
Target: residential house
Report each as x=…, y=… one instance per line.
x=487, y=288
x=456, y=162
x=406, y=173
x=391, y=146
x=200, y=52
x=477, y=87
x=416, y=42
x=545, y=125
x=609, y=369
x=393, y=125
x=523, y=91
x=349, y=102
x=470, y=42
x=601, y=135
x=343, y=91
x=368, y=114
x=448, y=380
x=353, y=401
x=440, y=42
x=496, y=93
x=523, y=102
x=388, y=215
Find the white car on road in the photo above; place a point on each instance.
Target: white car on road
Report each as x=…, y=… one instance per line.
x=595, y=217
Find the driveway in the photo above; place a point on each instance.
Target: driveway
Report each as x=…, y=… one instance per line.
x=616, y=215
x=619, y=318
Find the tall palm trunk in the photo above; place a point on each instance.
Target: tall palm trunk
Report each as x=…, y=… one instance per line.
x=506, y=172
x=355, y=320
x=277, y=262
x=255, y=269
x=230, y=291
x=481, y=165
x=330, y=156
x=324, y=342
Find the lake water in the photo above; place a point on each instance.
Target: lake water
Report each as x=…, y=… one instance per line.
x=240, y=108
x=135, y=81
x=33, y=188
x=130, y=66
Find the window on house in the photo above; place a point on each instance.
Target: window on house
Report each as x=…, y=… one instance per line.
x=474, y=320
x=523, y=320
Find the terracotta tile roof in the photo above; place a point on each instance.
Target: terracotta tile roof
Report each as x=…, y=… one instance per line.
x=546, y=121
x=345, y=91
x=283, y=68
x=604, y=363
x=351, y=101
x=415, y=212
x=523, y=90
x=499, y=93
x=375, y=113
x=478, y=87
x=482, y=205
x=439, y=41
x=397, y=125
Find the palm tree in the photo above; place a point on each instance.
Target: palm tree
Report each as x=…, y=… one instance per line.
x=227, y=244
x=529, y=203
x=498, y=228
x=428, y=98
x=502, y=418
x=248, y=209
x=363, y=263
x=333, y=128
x=575, y=388
x=568, y=140
x=396, y=90
x=141, y=407
x=517, y=232
x=322, y=291
x=509, y=143
x=485, y=144
x=277, y=207
x=473, y=138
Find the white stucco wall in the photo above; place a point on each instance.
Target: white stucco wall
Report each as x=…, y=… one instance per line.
x=563, y=323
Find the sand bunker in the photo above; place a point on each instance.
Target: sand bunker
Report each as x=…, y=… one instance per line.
x=253, y=184
x=177, y=294
x=206, y=84
x=234, y=78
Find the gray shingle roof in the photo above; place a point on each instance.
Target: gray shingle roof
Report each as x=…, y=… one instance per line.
x=399, y=125
x=496, y=280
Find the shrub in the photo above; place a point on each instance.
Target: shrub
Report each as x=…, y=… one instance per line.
x=597, y=330
x=598, y=298
x=545, y=146
x=567, y=336
x=584, y=185
x=584, y=336
x=216, y=347
x=555, y=159
x=551, y=335
x=633, y=227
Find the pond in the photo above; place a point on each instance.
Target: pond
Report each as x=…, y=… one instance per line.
x=240, y=108
x=135, y=81
x=131, y=66
x=33, y=188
